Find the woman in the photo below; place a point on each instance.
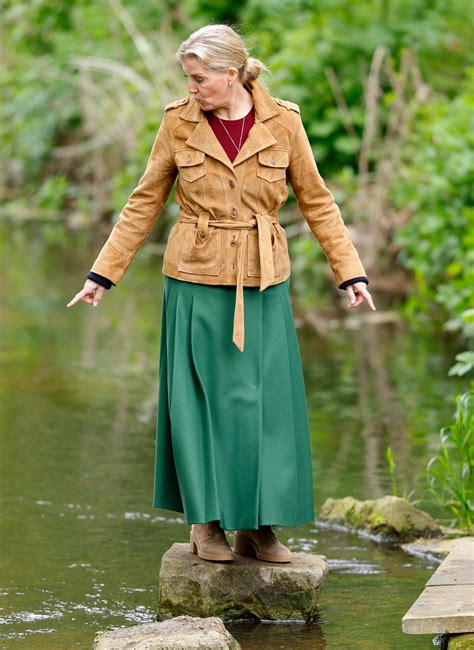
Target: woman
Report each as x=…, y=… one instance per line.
x=232, y=442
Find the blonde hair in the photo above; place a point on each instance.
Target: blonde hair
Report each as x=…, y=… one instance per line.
x=219, y=47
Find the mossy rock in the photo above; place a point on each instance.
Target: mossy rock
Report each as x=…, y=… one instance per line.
x=244, y=589
x=391, y=518
x=461, y=642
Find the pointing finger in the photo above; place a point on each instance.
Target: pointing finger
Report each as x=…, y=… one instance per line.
x=80, y=295
x=368, y=297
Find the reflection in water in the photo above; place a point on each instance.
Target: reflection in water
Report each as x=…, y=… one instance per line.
x=80, y=542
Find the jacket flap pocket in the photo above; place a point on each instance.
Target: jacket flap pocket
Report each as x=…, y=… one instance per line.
x=189, y=157
x=273, y=158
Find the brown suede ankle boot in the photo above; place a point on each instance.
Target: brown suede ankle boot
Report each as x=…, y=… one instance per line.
x=261, y=544
x=209, y=542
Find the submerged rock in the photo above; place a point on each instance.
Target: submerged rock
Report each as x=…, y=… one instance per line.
x=437, y=548
x=186, y=632
x=391, y=518
x=461, y=642
x=246, y=588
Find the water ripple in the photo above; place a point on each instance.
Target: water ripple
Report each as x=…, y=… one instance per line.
x=354, y=567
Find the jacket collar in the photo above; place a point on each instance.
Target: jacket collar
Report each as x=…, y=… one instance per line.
x=259, y=137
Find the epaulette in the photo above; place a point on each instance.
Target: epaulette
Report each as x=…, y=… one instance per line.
x=291, y=106
x=176, y=103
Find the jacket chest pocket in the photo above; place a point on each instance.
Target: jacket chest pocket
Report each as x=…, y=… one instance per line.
x=272, y=164
x=191, y=164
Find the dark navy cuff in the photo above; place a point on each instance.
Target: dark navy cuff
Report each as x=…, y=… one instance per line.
x=346, y=283
x=100, y=279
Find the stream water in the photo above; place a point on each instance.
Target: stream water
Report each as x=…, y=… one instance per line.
x=80, y=544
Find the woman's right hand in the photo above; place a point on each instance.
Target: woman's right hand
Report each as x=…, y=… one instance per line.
x=91, y=293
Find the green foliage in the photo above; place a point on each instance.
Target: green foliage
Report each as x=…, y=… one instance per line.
x=83, y=90
x=450, y=472
x=342, y=36
x=435, y=184
x=309, y=273
x=215, y=11
x=53, y=194
x=408, y=496
x=391, y=466
x=465, y=363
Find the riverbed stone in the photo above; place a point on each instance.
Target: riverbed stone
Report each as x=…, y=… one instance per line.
x=185, y=632
x=437, y=548
x=390, y=518
x=246, y=588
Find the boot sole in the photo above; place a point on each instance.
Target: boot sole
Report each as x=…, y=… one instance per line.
x=213, y=557
x=245, y=546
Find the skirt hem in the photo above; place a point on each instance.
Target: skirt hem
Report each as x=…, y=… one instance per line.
x=245, y=525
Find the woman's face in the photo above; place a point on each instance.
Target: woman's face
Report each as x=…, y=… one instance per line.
x=209, y=88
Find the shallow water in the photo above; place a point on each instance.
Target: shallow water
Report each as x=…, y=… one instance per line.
x=80, y=543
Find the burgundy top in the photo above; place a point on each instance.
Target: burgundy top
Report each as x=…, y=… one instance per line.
x=235, y=129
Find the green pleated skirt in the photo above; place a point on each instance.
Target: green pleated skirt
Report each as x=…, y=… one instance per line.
x=232, y=438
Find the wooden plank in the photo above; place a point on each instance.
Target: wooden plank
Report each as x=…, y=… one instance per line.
x=447, y=602
x=457, y=568
x=445, y=608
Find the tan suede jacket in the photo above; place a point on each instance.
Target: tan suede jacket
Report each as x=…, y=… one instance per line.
x=228, y=231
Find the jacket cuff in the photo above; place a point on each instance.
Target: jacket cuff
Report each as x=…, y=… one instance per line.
x=100, y=279
x=346, y=283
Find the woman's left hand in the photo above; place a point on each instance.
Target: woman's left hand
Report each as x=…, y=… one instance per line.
x=357, y=293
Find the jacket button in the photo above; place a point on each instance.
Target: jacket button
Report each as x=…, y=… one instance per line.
x=188, y=160
x=201, y=235
x=233, y=212
x=233, y=242
x=273, y=161
x=231, y=183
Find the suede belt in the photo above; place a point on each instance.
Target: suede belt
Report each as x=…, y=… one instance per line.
x=263, y=222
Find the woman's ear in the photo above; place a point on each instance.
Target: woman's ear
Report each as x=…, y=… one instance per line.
x=232, y=74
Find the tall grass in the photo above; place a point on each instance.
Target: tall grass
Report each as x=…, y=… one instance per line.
x=450, y=472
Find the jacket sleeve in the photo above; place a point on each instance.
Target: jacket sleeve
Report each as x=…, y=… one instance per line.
x=100, y=279
x=320, y=210
x=142, y=209
x=347, y=283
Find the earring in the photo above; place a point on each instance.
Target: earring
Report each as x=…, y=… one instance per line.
x=230, y=85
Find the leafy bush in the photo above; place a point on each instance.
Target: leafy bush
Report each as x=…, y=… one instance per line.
x=435, y=184
x=450, y=472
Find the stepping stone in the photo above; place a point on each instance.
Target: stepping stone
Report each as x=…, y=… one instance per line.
x=246, y=588
x=389, y=519
x=181, y=632
x=437, y=548
x=446, y=605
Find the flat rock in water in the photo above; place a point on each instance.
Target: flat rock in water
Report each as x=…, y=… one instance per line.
x=185, y=632
x=246, y=588
x=390, y=518
x=436, y=548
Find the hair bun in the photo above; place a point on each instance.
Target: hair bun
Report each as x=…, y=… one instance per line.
x=253, y=68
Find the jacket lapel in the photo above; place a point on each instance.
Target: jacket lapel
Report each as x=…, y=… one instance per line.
x=204, y=139
x=259, y=137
